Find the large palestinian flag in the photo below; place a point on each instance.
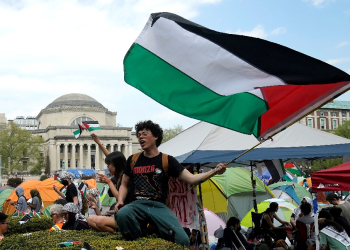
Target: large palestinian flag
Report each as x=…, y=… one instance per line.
x=242, y=83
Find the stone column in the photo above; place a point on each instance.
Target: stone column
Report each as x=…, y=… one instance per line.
x=65, y=156
x=58, y=156
x=119, y=147
x=112, y=148
x=72, y=161
x=81, y=156
x=88, y=160
x=130, y=148
x=52, y=157
x=103, y=158
x=97, y=158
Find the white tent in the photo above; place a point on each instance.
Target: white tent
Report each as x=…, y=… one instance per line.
x=204, y=142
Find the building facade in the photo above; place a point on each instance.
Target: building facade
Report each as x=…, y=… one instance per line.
x=3, y=119
x=329, y=116
x=28, y=123
x=60, y=118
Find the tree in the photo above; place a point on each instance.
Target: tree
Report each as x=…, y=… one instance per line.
x=343, y=130
x=169, y=133
x=19, y=148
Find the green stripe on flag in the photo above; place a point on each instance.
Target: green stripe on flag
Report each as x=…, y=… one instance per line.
x=177, y=91
x=76, y=133
x=91, y=128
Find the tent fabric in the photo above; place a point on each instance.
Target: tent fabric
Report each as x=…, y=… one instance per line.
x=48, y=195
x=287, y=193
x=46, y=211
x=284, y=212
x=91, y=183
x=298, y=179
x=299, y=190
x=230, y=194
x=332, y=179
x=3, y=197
x=205, y=142
x=308, y=180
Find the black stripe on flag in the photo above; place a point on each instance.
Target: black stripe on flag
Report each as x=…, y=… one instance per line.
x=91, y=122
x=289, y=65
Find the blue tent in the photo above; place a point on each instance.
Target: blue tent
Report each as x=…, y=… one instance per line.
x=80, y=172
x=286, y=192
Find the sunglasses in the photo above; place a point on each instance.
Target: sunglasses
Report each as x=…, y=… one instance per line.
x=5, y=223
x=64, y=214
x=53, y=215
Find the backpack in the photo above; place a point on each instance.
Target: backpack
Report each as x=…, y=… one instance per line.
x=165, y=165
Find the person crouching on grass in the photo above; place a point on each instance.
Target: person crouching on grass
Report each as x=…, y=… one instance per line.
x=150, y=188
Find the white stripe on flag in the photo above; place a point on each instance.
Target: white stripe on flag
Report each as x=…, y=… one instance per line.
x=202, y=60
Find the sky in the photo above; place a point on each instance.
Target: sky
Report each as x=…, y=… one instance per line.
x=49, y=48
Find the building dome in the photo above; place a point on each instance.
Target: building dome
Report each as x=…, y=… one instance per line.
x=75, y=99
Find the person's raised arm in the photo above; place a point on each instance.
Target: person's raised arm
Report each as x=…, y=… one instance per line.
x=192, y=179
x=98, y=142
x=123, y=191
x=59, y=192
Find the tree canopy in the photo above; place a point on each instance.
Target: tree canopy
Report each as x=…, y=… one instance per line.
x=169, y=133
x=20, y=149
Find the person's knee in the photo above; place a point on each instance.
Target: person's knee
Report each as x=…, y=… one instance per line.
x=124, y=215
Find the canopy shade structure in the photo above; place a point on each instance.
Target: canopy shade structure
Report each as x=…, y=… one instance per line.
x=80, y=172
x=333, y=179
x=204, y=142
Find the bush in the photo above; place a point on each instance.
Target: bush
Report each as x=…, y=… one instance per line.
x=43, y=177
x=14, y=182
x=35, y=224
x=97, y=240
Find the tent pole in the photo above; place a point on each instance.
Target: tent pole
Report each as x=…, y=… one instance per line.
x=253, y=185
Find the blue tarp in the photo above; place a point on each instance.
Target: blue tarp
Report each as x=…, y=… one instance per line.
x=79, y=172
x=265, y=177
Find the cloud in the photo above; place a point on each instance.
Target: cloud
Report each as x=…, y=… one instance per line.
x=319, y=3
x=278, y=31
x=343, y=44
x=338, y=60
x=258, y=32
x=52, y=48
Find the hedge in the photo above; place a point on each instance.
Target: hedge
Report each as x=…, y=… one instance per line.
x=35, y=224
x=97, y=240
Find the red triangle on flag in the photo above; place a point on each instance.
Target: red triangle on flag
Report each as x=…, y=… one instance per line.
x=86, y=125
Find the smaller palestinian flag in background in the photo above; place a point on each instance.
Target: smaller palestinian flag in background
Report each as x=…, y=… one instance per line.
x=92, y=125
x=63, y=190
x=103, y=192
x=83, y=188
x=56, y=178
x=25, y=219
x=78, y=132
x=18, y=213
x=294, y=169
x=69, y=243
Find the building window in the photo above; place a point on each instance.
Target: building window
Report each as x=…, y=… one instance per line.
x=68, y=163
x=68, y=149
x=61, y=149
x=334, y=124
x=344, y=121
x=76, y=163
x=321, y=113
x=334, y=113
x=79, y=120
x=343, y=113
x=322, y=123
x=76, y=149
x=309, y=122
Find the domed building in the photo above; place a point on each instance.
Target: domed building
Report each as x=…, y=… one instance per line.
x=60, y=118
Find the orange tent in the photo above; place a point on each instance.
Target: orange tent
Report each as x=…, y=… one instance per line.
x=48, y=195
x=308, y=180
x=91, y=183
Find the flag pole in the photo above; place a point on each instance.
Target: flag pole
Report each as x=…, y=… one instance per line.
x=212, y=173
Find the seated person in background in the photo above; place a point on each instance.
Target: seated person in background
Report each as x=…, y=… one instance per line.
x=333, y=236
x=335, y=215
x=305, y=226
x=195, y=240
x=334, y=199
x=230, y=238
x=3, y=225
x=56, y=215
x=297, y=210
x=267, y=222
x=21, y=203
x=94, y=202
x=36, y=202
x=74, y=219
